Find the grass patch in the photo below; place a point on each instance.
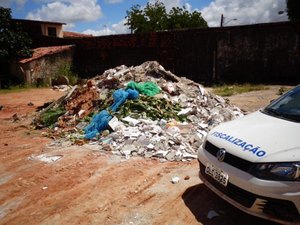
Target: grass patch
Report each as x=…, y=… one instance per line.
x=228, y=90
x=18, y=88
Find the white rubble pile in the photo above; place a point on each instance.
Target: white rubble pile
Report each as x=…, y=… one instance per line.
x=166, y=140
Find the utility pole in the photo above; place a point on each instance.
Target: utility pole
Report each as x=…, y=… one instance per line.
x=222, y=20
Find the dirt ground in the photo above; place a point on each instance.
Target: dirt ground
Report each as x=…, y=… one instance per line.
x=91, y=187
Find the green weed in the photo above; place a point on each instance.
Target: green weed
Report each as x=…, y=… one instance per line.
x=50, y=116
x=67, y=71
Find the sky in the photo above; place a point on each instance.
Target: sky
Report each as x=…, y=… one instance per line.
x=107, y=17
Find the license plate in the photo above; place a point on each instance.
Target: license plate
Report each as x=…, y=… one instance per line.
x=216, y=173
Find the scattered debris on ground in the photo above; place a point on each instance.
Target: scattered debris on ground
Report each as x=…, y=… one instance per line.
x=46, y=158
x=137, y=111
x=61, y=88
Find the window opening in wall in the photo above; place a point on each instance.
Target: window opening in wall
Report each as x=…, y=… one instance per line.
x=52, y=31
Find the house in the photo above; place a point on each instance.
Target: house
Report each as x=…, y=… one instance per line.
x=45, y=65
x=36, y=28
x=53, y=49
x=46, y=61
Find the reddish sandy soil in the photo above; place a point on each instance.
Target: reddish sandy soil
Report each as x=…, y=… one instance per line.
x=92, y=187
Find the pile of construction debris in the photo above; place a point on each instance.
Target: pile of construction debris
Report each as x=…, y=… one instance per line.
x=171, y=124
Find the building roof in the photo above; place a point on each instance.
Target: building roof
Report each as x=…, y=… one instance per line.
x=38, y=21
x=45, y=51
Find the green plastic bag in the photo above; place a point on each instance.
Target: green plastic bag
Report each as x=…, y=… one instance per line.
x=146, y=88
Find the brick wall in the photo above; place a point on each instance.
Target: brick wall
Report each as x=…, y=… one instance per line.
x=267, y=53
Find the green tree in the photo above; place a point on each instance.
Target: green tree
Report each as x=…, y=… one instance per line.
x=154, y=17
x=182, y=18
x=293, y=9
x=14, y=43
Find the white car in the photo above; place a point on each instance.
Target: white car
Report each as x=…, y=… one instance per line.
x=254, y=162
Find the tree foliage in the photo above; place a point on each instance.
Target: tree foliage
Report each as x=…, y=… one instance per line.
x=293, y=10
x=154, y=17
x=14, y=43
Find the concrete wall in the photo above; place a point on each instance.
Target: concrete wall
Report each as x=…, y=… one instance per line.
x=261, y=54
x=266, y=53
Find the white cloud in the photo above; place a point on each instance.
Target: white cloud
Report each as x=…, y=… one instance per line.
x=5, y=4
x=245, y=12
x=68, y=26
x=113, y=1
x=9, y=3
x=188, y=7
x=118, y=28
x=102, y=32
x=20, y=3
x=68, y=11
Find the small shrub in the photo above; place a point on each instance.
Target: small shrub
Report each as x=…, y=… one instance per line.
x=282, y=90
x=67, y=71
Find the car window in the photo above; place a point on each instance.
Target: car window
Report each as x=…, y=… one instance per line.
x=287, y=106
